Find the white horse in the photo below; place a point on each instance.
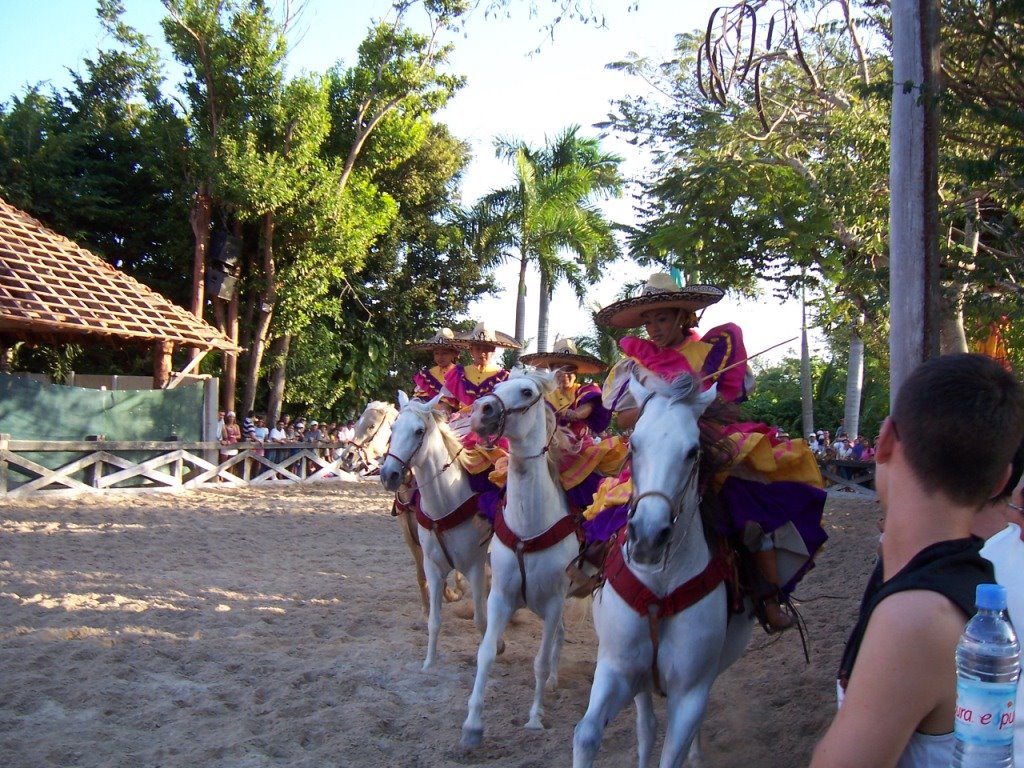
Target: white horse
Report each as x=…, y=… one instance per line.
x=421, y=442
x=370, y=440
x=664, y=607
x=534, y=535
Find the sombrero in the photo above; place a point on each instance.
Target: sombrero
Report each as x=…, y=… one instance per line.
x=484, y=334
x=564, y=354
x=661, y=292
x=443, y=339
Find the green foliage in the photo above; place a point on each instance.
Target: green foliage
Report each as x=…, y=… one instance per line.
x=776, y=397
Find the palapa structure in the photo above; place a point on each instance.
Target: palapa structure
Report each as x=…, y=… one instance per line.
x=53, y=291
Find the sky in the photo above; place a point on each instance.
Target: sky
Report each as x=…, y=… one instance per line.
x=511, y=91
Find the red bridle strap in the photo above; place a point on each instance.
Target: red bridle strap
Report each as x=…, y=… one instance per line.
x=645, y=602
x=549, y=538
x=453, y=519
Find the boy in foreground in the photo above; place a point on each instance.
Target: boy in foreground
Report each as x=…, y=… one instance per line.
x=945, y=450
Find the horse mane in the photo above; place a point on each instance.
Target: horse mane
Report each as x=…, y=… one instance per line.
x=560, y=442
x=717, y=450
x=424, y=410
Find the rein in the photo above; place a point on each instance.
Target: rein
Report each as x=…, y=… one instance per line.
x=361, y=446
x=406, y=464
x=503, y=414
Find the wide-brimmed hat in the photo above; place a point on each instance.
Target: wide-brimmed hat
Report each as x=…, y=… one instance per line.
x=661, y=292
x=564, y=353
x=443, y=339
x=484, y=334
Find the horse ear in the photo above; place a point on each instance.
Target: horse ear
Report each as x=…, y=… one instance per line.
x=708, y=396
x=638, y=385
x=403, y=399
x=434, y=401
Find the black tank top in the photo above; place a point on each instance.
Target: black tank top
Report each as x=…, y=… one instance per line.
x=952, y=568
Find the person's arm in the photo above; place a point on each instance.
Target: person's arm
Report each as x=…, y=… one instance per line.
x=627, y=418
x=904, y=680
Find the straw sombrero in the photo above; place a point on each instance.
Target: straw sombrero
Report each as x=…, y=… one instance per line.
x=484, y=334
x=661, y=292
x=564, y=354
x=443, y=339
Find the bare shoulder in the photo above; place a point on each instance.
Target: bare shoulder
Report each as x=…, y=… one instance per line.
x=904, y=680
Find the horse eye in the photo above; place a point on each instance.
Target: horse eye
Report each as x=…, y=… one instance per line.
x=420, y=431
x=526, y=392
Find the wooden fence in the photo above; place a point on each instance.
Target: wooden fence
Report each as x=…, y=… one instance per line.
x=95, y=466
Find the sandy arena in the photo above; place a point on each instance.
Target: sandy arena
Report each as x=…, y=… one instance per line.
x=282, y=627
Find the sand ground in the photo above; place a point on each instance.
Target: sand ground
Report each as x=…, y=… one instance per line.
x=281, y=627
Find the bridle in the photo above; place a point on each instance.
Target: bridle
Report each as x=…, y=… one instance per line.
x=675, y=505
x=361, y=446
x=406, y=464
x=503, y=414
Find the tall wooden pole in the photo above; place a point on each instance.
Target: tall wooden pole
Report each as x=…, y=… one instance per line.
x=913, y=186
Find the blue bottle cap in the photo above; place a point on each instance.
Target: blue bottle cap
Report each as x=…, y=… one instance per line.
x=991, y=597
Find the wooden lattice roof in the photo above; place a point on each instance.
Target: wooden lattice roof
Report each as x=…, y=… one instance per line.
x=53, y=290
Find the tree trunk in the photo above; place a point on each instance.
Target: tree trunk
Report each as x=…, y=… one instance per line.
x=278, y=377
x=268, y=297
x=543, y=310
x=521, y=302
x=199, y=218
x=806, y=385
x=913, y=189
x=231, y=358
x=951, y=333
x=854, y=385
x=162, y=351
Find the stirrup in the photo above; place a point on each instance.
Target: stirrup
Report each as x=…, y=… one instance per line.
x=581, y=585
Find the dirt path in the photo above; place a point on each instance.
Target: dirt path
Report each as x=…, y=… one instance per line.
x=281, y=627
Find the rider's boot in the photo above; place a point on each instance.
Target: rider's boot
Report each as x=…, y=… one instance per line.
x=766, y=562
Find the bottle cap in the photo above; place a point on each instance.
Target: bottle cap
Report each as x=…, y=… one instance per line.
x=991, y=597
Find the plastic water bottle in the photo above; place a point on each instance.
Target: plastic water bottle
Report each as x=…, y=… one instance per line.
x=987, y=669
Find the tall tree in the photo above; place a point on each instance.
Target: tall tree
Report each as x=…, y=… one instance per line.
x=552, y=217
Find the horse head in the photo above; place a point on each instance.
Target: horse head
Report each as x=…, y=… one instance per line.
x=410, y=431
x=665, y=452
x=371, y=434
x=516, y=407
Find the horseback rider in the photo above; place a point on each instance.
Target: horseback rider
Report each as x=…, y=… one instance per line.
x=429, y=380
x=786, y=496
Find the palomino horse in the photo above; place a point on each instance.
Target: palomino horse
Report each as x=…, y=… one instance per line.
x=370, y=441
x=421, y=442
x=535, y=535
x=663, y=610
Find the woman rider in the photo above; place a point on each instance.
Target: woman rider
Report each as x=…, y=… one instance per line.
x=467, y=383
x=577, y=405
x=779, y=496
x=578, y=408
x=430, y=380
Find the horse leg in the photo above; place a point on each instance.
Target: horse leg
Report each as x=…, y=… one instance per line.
x=609, y=693
x=477, y=576
x=411, y=536
x=499, y=611
x=556, y=653
x=550, y=648
x=646, y=726
x=685, y=712
x=695, y=757
x=435, y=580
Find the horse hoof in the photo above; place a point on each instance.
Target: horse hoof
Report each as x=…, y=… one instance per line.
x=472, y=737
x=534, y=724
x=451, y=595
x=501, y=647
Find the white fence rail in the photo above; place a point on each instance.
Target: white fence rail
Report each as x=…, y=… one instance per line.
x=140, y=467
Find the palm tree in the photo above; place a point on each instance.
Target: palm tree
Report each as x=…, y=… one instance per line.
x=551, y=216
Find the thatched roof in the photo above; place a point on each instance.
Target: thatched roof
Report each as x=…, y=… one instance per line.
x=52, y=290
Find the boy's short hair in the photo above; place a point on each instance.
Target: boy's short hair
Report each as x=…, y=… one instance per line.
x=960, y=419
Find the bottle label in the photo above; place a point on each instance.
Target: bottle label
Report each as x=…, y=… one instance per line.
x=985, y=712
